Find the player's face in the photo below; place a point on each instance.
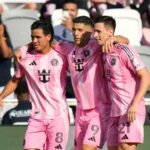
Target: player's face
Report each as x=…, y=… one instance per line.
x=81, y=33
x=101, y=33
x=40, y=41
x=71, y=8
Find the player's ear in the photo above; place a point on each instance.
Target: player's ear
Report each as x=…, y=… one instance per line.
x=110, y=32
x=49, y=37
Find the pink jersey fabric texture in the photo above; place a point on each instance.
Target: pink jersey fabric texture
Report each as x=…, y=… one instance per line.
x=87, y=74
x=120, y=71
x=46, y=79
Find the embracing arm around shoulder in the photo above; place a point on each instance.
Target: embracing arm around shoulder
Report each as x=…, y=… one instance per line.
x=109, y=43
x=120, y=39
x=144, y=77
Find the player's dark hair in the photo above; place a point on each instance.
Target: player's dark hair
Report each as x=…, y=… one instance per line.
x=107, y=20
x=45, y=26
x=70, y=1
x=85, y=20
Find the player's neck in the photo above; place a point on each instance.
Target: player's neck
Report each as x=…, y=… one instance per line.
x=83, y=44
x=46, y=50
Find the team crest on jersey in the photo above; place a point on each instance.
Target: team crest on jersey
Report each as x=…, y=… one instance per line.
x=113, y=61
x=86, y=53
x=54, y=62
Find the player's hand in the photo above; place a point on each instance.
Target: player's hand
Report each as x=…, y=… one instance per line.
x=108, y=45
x=17, y=54
x=30, y=47
x=132, y=113
x=2, y=37
x=1, y=30
x=1, y=102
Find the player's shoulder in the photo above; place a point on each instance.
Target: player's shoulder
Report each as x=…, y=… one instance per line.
x=25, y=51
x=63, y=47
x=127, y=50
x=56, y=52
x=121, y=48
x=92, y=47
x=58, y=56
x=93, y=43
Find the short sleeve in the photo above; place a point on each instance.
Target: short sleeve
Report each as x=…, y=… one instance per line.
x=131, y=58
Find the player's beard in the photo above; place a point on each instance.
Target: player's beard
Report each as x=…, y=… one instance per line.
x=85, y=39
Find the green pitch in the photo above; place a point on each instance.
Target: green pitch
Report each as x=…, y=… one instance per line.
x=11, y=138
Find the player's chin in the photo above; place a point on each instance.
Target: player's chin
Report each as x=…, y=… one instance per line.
x=77, y=41
x=37, y=48
x=99, y=41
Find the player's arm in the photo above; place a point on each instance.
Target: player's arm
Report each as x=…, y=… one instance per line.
x=6, y=51
x=109, y=44
x=9, y=88
x=18, y=55
x=20, y=52
x=144, y=85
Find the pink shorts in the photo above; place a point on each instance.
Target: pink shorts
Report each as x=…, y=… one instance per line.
x=47, y=134
x=88, y=128
x=121, y=131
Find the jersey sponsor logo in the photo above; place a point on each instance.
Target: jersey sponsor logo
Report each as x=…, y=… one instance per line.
x=86, y=53
x=54, y=62
x=44, y=76
x=125, y=137
x=92, y=139
x=33, y=63
x=79, y=65
x=58, y=146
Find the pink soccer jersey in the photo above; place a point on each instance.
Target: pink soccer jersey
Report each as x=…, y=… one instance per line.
x=86, y=73
x=46, y=79
x=120, y=70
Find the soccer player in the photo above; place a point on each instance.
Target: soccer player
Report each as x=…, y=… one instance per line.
x=45, y=73
x=128, y=81
x=93, y=105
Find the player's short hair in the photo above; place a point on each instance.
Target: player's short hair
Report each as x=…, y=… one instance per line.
x=107, y=20
x=70, y=1
x=45, y=26
x=85, y=20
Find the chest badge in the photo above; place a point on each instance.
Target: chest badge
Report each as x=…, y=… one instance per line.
x=113, y=61
x=54, y=62
x=86, y=53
